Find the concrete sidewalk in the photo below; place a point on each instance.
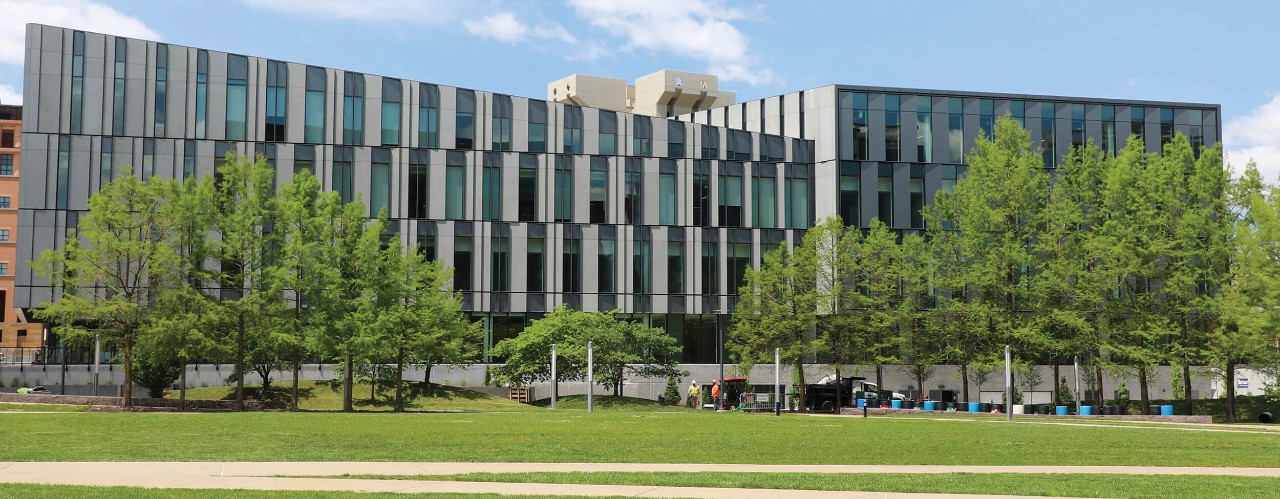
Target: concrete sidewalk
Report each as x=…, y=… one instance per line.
x=272, y=476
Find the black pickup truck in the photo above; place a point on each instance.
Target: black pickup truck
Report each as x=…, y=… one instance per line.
x=821, y=396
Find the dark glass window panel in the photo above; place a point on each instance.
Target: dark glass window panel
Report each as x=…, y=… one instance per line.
x=528, y=195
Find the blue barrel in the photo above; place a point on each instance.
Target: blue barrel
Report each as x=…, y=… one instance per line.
x=1166, y=410
x=1060, y=410
x=896, y=404
x=930, y=405
x=862, y=403
x=975, y=407
x=1086, y=410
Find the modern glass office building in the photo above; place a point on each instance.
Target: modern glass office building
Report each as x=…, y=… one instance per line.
x=534, y=203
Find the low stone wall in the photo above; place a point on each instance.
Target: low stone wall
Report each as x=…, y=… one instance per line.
x=222, y=405
x=878, y=411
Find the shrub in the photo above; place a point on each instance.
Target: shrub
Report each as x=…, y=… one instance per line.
x=672, y=393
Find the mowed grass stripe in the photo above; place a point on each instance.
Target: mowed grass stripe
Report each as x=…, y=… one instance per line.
x=42, y=491
x=1032, y=484
x=621, y=436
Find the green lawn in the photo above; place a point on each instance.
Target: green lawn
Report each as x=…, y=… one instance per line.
x=4, y=406
x=36, y=491
x=609, y=402
x=326, y=396
x=612, y=436
x=1062, y=485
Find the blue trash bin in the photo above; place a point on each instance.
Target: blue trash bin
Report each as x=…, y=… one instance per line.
x=862, y=403
x=1086, y=410
x=975, y=407
x=930, y=405
x=1060, y=410
x=896, y=404
x=1166, y=410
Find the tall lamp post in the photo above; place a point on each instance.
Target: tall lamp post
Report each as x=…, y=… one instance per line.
x=720, y=313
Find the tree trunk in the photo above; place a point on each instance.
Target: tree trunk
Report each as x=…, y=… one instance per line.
x=839, y=388
x=1142, y=387
x=879, y=382
x=373, y=384
x=127, y=400
x=964, y=381
x=182, y=388
x=1057, y=387
x=399, y=378
x=426, y=380
x=801, y=390
x=1102, y=400
x=240, y=364
x=293, y=396
x=1186, y=389
x=1228, y=378
x=346, y=384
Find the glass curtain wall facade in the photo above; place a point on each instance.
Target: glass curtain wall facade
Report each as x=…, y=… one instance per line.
x=533, y=203
x=595, y=208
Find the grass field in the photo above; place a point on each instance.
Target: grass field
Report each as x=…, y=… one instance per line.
x=1062, y=485
x=678, y=436
x=324, y=396
x=37, y=491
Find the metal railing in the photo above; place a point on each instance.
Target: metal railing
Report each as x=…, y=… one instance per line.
x=37, y=356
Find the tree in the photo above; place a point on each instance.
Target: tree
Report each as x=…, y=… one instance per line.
x=411, y=306
x=618, y=347
x=996, y=211
x=186, y=316
x=919, y=342
x=248, y=246
x=111, y=266
x=776, y=309
x=1135, y=244
x=351, y=256
x=300, y=276
x=1249, y=301
x=879, y=318
x=832, y=250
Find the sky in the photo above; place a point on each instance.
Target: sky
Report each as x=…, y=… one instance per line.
x=1175, y=50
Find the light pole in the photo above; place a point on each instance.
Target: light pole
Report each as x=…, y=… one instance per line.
x=554, y=380
x=1076, y=361
x=590, y=379
x=1008, y=384
x=720, y=343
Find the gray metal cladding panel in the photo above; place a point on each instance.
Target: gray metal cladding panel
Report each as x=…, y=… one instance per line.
x=79, y=173
x=35, y=170
x=876, y=133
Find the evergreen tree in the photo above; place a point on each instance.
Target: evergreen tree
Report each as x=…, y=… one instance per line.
x=248, y=245
x=111, y=267
x=776, y=309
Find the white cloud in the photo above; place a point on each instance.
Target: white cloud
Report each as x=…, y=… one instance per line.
x=506, y=27
x=1256, y=136
x=503, y=27
x=10, y=96
x=79, y=14
x=702, y=30
x=418, y=11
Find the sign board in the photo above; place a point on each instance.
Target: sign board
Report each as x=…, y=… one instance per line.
x=1242, y=383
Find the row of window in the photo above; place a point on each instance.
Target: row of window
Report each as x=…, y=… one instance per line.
x=737, y=259
x=850, y=195
x=732, y=190
x=739, y=145
x=855, y=143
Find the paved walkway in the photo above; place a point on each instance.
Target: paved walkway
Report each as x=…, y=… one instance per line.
x=274, y=476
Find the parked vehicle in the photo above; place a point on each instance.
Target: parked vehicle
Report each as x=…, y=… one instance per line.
x=821, y=396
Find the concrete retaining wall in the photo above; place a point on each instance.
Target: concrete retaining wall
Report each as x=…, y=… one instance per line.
x=224, y=405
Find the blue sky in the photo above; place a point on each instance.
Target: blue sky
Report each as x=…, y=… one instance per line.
x=1215, y=52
